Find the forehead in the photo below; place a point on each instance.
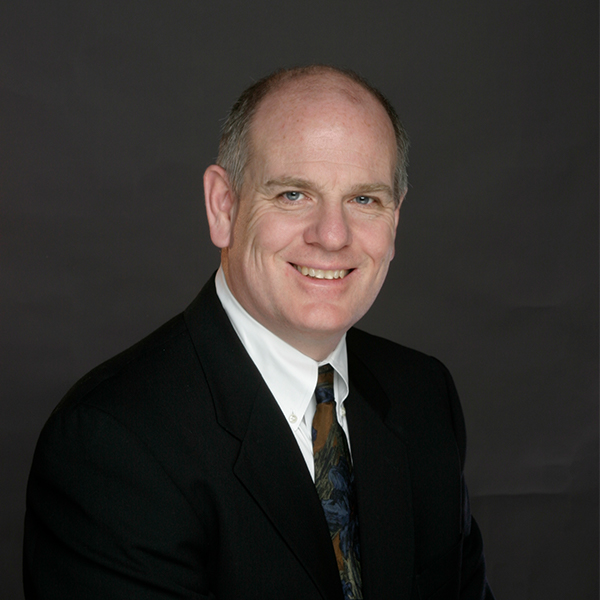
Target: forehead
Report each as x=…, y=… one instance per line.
x=323, y=108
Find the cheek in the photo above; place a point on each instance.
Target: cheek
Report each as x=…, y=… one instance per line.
x=378, y=242
x=265, y=233
x=247, y=228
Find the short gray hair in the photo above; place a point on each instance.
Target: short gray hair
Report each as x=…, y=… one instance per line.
x=234, y=147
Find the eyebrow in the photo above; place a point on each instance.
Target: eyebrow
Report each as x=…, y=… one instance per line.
x=295, y=182
x=292, y=182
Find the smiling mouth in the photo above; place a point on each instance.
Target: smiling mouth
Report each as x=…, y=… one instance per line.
x=322, y=273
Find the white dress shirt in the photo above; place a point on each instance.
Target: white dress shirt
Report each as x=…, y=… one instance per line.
x=290, y=375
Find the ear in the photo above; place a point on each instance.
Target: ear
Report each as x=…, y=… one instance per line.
x=220, y=205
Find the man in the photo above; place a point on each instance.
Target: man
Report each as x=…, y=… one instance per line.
x=256, y=446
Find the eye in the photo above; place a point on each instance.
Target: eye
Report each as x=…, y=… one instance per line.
x=364, y=200
x=292, y=196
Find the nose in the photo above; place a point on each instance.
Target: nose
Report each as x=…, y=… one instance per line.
x=329, y=227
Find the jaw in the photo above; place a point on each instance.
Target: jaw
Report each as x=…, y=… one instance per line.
x=322, y=307
x=316, y=332
x=311, y=311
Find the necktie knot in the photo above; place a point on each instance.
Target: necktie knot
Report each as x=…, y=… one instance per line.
x=324, y=389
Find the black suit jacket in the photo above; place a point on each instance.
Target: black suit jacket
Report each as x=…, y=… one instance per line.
x=170, y=472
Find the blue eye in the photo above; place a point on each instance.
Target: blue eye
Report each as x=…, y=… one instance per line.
x=363, y=199
x=293, y=196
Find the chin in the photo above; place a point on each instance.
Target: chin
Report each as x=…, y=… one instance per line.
x=327, y=323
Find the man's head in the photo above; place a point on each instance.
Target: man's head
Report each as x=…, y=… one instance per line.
x=307, y=232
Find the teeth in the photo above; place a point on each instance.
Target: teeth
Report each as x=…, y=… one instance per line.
x=321, y=274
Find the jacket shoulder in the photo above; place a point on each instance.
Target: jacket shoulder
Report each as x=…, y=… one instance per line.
x=139, y=366
x=388, y=357
x=420, y=387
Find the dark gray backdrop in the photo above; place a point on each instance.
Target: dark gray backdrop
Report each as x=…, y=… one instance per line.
x=109, y=113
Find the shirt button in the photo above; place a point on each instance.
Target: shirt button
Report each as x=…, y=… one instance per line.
x=293, y=418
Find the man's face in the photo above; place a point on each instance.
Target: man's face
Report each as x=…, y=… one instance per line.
x=313, y=232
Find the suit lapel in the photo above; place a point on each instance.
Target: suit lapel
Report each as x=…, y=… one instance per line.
x=271, y=467
x=383, y=489
x=270, y=464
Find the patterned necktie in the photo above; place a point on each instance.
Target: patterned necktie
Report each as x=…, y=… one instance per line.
x=334, y=480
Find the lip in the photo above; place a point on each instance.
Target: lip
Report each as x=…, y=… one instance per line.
x=318, y=274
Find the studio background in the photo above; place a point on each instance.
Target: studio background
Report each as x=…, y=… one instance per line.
x=109, y=114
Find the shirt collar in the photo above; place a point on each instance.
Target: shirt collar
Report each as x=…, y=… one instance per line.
x=290, y=375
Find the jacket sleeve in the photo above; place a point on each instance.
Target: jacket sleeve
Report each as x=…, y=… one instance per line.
x=473, y=581
x=104, y=520
x=474, y=585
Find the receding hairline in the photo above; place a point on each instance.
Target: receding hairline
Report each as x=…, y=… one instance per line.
x=235, y=148
x=321, y=76
x=320, y=79
x=293, y=95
